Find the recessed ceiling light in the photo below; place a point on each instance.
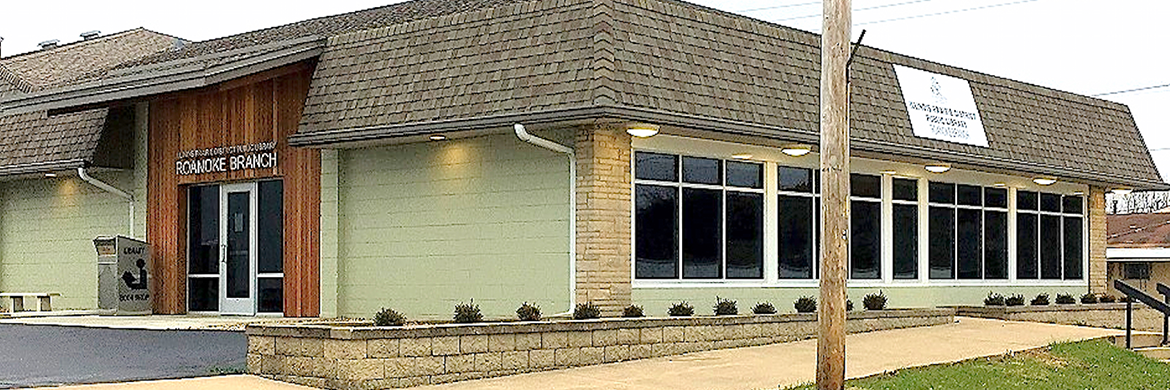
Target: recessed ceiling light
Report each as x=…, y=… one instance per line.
x=438, y=137
x=1000, y=185
x=796, y=150
x=1044, y=181
x=50, y=174
x=889, y=172
x=642, y=130
x=1122, y=191
x=741, y=156
x=938, y=167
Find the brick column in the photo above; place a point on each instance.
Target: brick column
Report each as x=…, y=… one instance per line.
x=1098, y=272
x=603, y=217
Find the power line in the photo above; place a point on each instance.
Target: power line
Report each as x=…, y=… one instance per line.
x=859, y=9
x=778, y=7
x=1132, y=90
x=947, y=12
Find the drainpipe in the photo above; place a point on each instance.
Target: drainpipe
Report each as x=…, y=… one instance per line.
x=523, y=135
x=109, y=188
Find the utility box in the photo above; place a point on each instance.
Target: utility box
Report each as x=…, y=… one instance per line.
x=123, y=275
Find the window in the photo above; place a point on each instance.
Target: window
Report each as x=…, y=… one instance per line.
x=698, y=218
x=798, y=222
x=968, y=232
x=905, y=199
x=1049, y=236
x=865, y=226
x=1137, y=271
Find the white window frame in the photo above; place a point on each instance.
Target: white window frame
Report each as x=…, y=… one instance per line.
x=772, y=159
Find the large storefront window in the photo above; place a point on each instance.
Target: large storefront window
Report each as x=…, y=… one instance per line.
x=968, y=232
x=865, y=227
x=798, y=222
x=1049, y=236
x=709, y=220
x=698, y=218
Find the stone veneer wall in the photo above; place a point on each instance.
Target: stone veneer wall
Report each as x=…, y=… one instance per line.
x=1098, y=234
x=1100, y=315
x=347, y=357
x=603, y=217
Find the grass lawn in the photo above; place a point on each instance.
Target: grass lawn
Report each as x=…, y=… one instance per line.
x=1083, y=365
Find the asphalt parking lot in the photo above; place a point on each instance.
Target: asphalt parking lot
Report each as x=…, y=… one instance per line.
x=56, y=355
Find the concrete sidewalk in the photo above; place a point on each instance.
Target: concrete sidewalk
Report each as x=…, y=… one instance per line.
x=763, y=367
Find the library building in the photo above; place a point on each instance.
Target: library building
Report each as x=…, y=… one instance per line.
x=432, y=152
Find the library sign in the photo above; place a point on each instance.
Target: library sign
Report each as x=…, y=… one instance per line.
x=941, y=107
x=226, y=159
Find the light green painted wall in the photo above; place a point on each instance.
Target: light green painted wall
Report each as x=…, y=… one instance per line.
x=655, y=301
x=422, y=227
x=329, y=217
x=46, y=228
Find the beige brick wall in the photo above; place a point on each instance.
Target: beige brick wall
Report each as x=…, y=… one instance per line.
x=1098, y=272
x=603, y=217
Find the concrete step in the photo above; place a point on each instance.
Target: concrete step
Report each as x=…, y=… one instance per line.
x=1156, y=353
x=1140, y=340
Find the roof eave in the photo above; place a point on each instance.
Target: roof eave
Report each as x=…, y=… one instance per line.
x=165, y=81
x=357, y=135
x=41, y=167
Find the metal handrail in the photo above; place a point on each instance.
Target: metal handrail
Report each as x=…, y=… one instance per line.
x=1131, y=293
x=1165, y=291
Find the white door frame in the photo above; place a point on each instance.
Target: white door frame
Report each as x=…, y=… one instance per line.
x=237, y=306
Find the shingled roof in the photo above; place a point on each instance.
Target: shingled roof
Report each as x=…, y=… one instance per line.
x=677, y=63
x=36, y=141
x=1149, y=230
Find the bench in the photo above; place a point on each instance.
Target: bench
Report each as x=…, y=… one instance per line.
x=44, y=300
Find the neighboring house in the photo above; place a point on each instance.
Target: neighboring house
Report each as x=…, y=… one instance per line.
x=352, y=162
x=1139, y=250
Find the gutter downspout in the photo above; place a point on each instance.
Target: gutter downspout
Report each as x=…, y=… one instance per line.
x=523, y=135
x=109, y=188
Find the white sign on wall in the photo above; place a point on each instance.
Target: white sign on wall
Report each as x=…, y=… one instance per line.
x=941, y=107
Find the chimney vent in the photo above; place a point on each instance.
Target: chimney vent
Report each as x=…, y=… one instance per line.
x=49, y=44
x=90, y=34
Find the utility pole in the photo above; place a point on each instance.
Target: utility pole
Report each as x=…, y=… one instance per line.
x=835, y=41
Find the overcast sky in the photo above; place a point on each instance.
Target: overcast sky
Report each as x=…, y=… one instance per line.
x=1082, y=46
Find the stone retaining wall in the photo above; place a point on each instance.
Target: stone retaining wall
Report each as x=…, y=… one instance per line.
x=1098, y=315
x=348, y=357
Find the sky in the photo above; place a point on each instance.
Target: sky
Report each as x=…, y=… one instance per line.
x=1082, y=46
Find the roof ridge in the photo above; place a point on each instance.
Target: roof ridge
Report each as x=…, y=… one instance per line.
x=688, y=4
x=75, y=44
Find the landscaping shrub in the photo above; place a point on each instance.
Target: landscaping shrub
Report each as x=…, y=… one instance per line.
x=528, y=312
x=633, y=311
x=848, y=305
x=586, y=311
x=1014, y=300
x=1040, y=300
x=725, y=307
x=681, y=309
x=764, y=308
x=993, y=299
x=388, y=317
x=1089, y=298
x=805, y=305
x=466, y=313
x=1065, y=299
x=875, y=301
x=1106, y=298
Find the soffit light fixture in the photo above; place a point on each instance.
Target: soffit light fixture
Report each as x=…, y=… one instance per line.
x=796, y=150
x=741, y=156
x=1000, y=185
x=1122, y=191
x=50, y=175
x=890, y=172
x=938, y=167
x=438, y=137
x=1044, y=180
x=642, y=130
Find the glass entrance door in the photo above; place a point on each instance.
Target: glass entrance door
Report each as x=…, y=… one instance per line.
x=237, y=271
x=235, y=248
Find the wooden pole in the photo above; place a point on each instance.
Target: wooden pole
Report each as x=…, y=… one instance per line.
x=835, y=39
